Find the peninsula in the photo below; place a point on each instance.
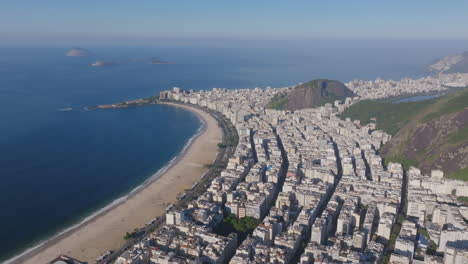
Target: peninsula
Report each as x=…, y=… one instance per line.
x=126, y=104
x=450, y=64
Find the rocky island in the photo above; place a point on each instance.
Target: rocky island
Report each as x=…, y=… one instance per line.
x=155, y=60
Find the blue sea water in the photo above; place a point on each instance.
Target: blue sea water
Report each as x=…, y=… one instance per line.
x=57, y=167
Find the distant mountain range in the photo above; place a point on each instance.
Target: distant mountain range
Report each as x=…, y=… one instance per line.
x=311, y=94
x=451, y=64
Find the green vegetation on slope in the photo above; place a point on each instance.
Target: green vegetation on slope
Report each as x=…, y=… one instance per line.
x=463, y=199
x=310, y=94
x=426, y=134
x=451, y=105
x=390, y=116
x=435, y=123
x=458, y=135
x=278, y=101
x=461, y=174
x=329, y=99
x=399, y=158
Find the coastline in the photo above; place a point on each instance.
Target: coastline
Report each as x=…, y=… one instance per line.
x=104, y=229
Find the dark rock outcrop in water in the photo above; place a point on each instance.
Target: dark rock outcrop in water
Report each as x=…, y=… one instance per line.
x=78, y=52
x=311, y=94
x=155, y=60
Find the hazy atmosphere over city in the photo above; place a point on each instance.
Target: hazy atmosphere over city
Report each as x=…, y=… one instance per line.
x=147, y=21
x=282, y=132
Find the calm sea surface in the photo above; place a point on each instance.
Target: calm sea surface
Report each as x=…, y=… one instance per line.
x=57, y=167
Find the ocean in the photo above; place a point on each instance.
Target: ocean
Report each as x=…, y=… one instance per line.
x=57, y=167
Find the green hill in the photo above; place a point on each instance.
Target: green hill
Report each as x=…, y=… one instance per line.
x=430, y=134
x=311, y=94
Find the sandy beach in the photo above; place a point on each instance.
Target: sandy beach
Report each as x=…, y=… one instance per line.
x=105, y=231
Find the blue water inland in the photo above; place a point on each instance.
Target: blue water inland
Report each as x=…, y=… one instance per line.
x=416, y=98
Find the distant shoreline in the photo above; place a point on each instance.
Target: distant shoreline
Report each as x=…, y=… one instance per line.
x=38, y=254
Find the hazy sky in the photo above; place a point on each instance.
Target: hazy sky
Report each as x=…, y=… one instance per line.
x=59, y=20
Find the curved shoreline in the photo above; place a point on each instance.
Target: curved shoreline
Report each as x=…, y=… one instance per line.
x=47, y=250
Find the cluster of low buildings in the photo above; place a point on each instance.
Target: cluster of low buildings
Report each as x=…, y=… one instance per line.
x=319, y=190
x=379, y=88
x=356, y=221
x=438, y=217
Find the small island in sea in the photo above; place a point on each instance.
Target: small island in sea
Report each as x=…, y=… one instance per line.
x=78, y=52
x=155, y=60
x=101, y=63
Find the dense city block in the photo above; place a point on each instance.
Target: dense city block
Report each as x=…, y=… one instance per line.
x=306, y=186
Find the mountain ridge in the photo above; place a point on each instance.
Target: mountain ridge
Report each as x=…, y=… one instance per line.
x=310, y=94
